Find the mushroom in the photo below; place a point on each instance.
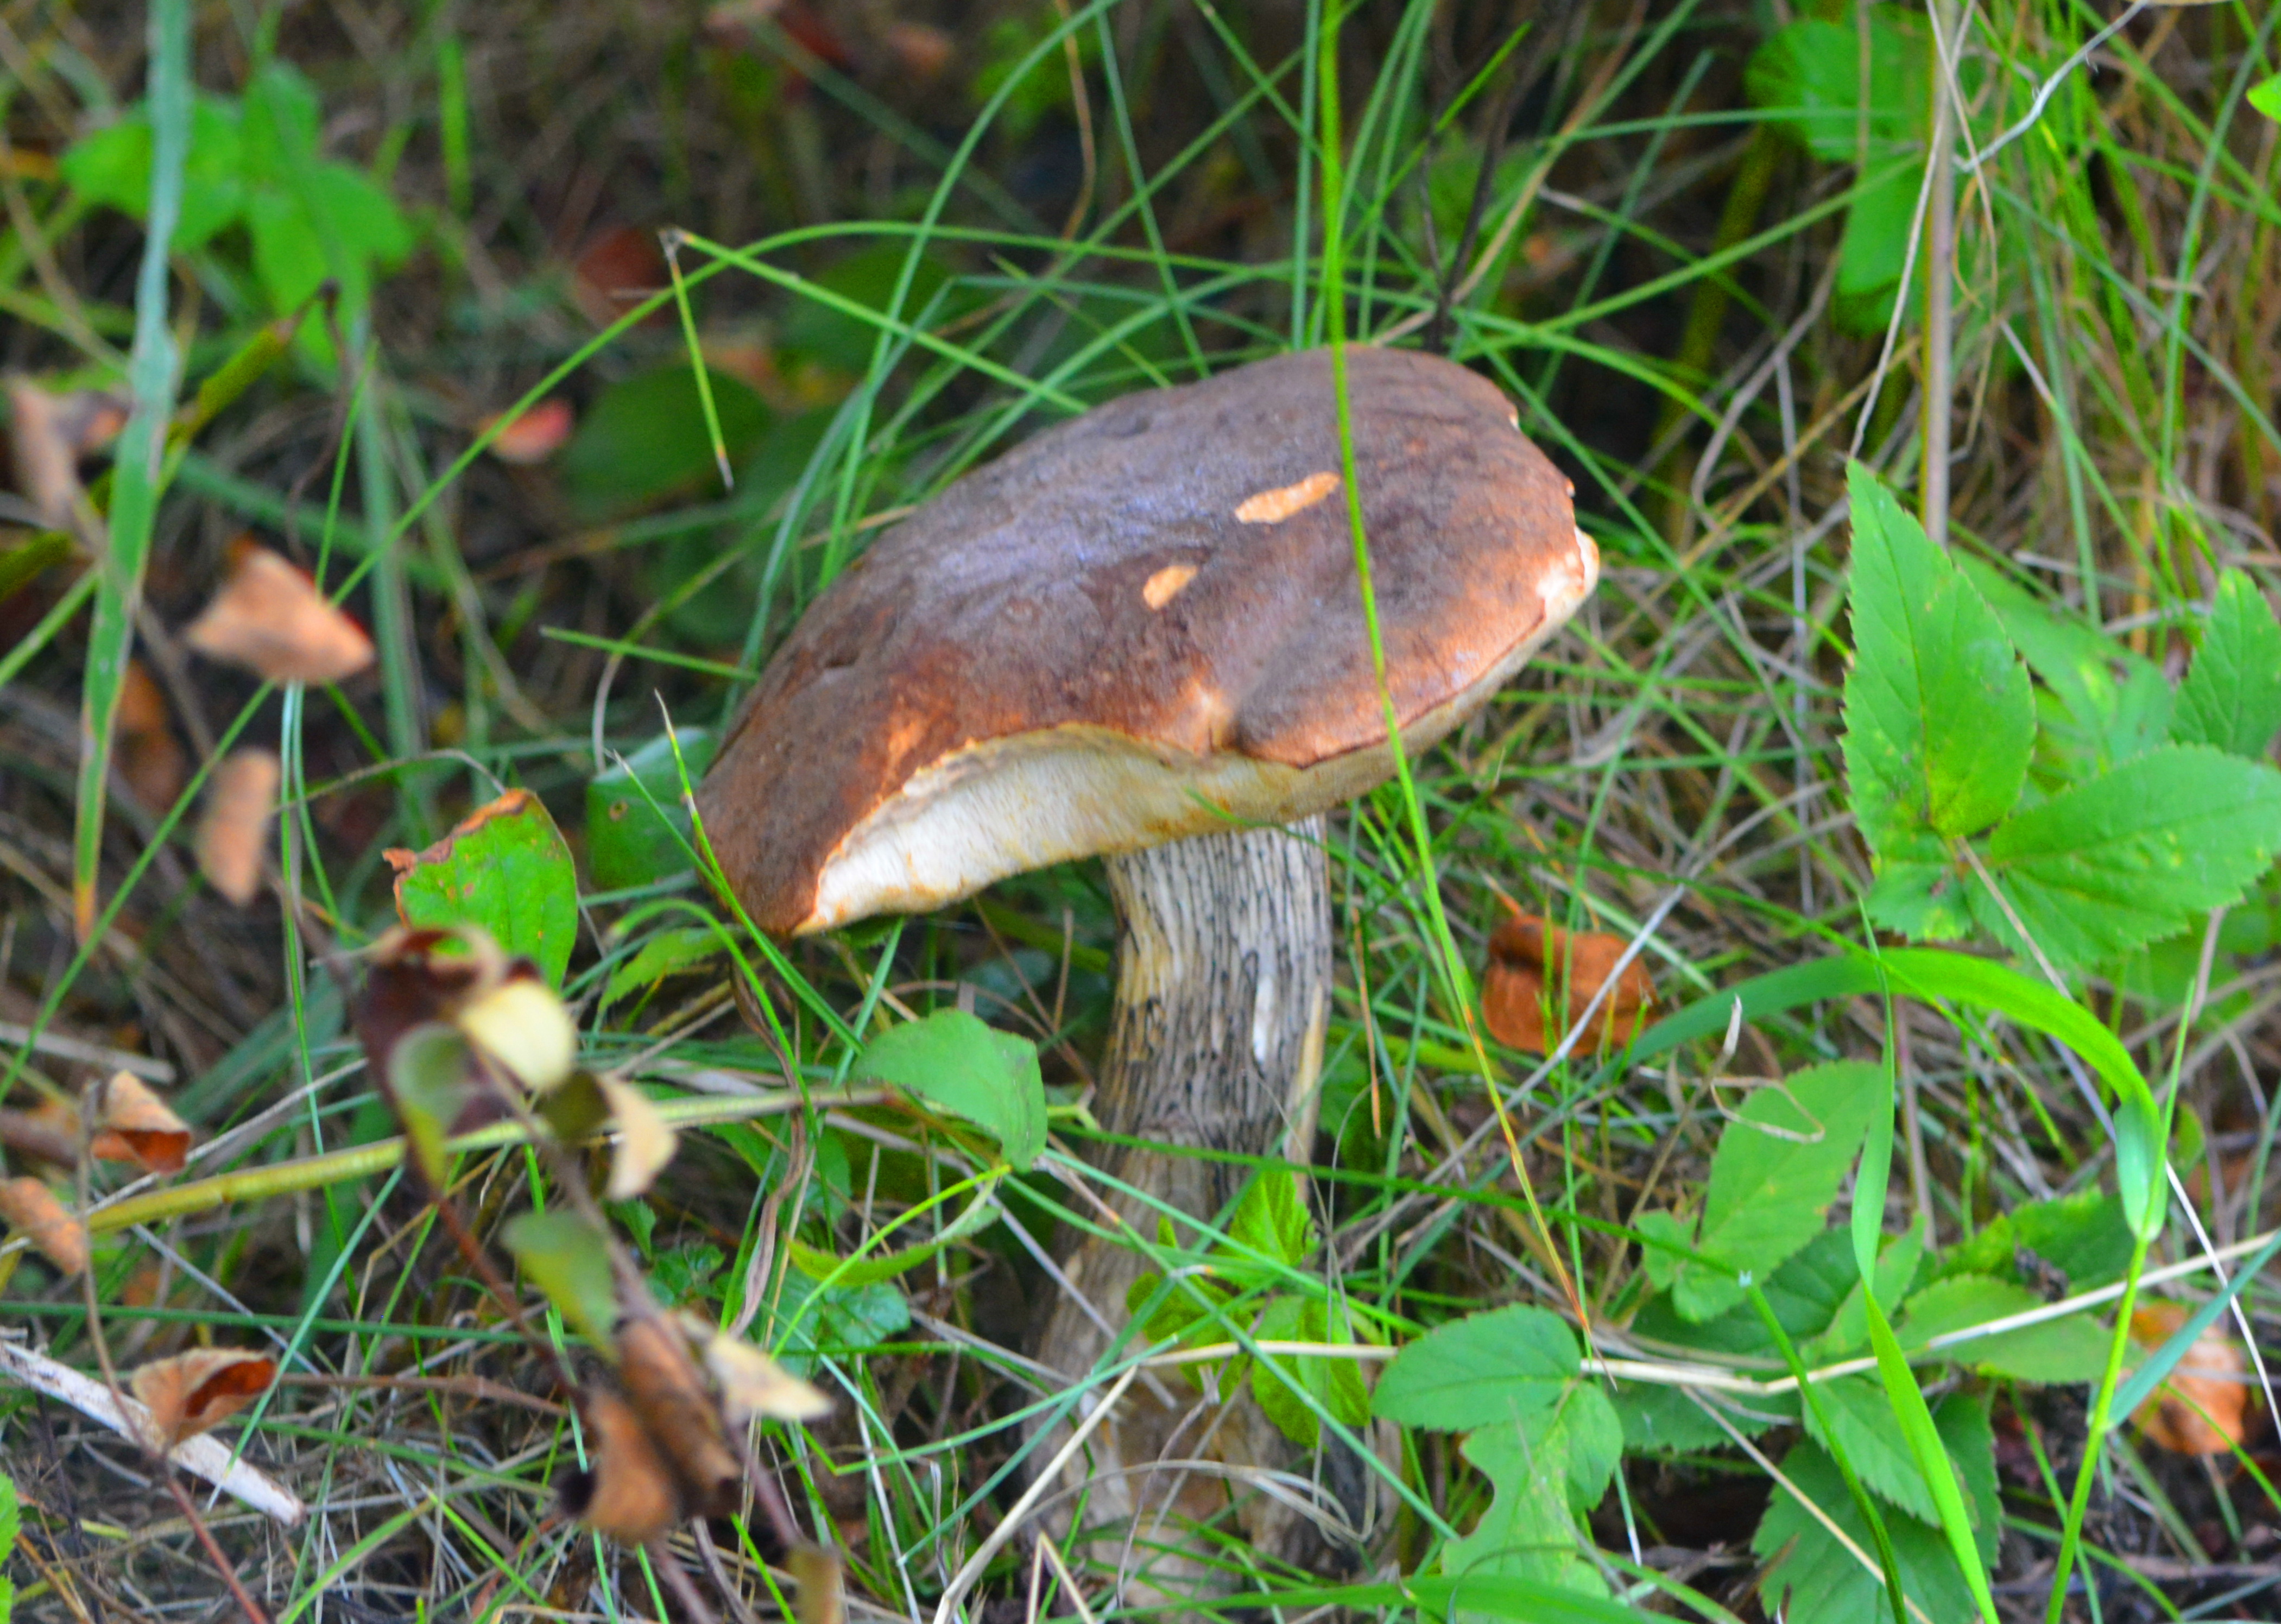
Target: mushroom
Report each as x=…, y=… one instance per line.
x=1139, y=636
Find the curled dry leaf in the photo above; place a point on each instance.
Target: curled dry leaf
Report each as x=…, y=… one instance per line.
x=662, y=1383
x=522, y=1025
x=2203, y=1408
x=626, y=1492
x=234, y=831
x=271, y=619
x=752, y=1384
x=197, y=1391
x=1533, y=962
x=47, y=459
x=32, y=1211
x=137, y=1126
x=646, y=1141
x=534, y=436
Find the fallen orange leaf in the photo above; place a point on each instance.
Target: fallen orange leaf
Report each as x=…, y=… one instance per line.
x=197, y=1391
x=1533, y=962
x=234, y=831
x=32, y=1210
x=2203, y=1408
x=138, y=1127
x=534, y=436
x=149, y=758
x=271, y=619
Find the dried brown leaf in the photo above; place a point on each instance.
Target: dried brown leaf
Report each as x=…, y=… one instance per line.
x=2203, y=1408
x=235, y=831
x=32, y=1211
x=47, y=459
x=646, y=1141
x=662, y=1383
x=617, y=269
x=822, y=1597
x=627, y=1493
x=1533, y=962
x=138, y=1127
x=271, y=619
x=752, y=1384
x=197, y=1391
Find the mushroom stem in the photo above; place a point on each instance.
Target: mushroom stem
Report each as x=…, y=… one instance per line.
x=1223, y=987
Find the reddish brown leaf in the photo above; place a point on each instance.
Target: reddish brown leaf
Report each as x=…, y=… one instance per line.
x=271, y=619
x=617, y=269
x=627, y=1493
x=921, y=50
x=534, y=436
x=235, y=831
x=138, y=1127
x=197, y=1391
x=1535, y=965
x=32, y=1211
x=2203, y=1408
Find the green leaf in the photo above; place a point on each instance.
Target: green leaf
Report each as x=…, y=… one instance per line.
x=1539, y=1469
x=1807, y=76
x=1817, y=1580
x=113, y=166
x=1874, y=249
x=1896, y=1271
x=807, y=1322
x=2057, y=1351
x=959, y=1064
x=1773, y=1177
x=428, y=1075
x=2265, y=96
x=2082, y=1235
x=1939, y=717
x=636, y=823
x=1278, y=1378
x=668, y=953
x=1861, y=1417
x=2106, y=704
x=869, y=1267
x=1970, y=1540
x=645, y=438
x=1666, y=1236
x=1272, y=1221
x=504, y=869
x=843, y=341
x=2137, y=855
x=569, y=1260
x=2232, y=697
x=1506, y=1364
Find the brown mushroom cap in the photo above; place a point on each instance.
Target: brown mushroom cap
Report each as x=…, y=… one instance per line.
x=1139, y=625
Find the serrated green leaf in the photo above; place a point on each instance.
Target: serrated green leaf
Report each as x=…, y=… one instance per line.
x=668, y=953
x=2106, y=703
x=805, y=1321
x=2134, y=855
x=2231, y=698
x=2082, y=1235
x=1815, y=1580
x=1896, y=1271
x=569, y=1260
x=1272, y=1220
x=1861, y=1417
x=637, y=823
x=1336, y=1385
x=1539, y=1469
x=1502, y=1366
x=1939, y=716
x=1807, y=76
x=505, y=868
x=2057, y=1351
x=960, y=1064
x=1773, y=1177
x=113, y=166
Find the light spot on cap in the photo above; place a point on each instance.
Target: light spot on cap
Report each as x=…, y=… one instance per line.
x=1165, y=584
x=1274, y=507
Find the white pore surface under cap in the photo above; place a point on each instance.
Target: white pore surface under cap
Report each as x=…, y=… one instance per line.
x=1006, y=806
